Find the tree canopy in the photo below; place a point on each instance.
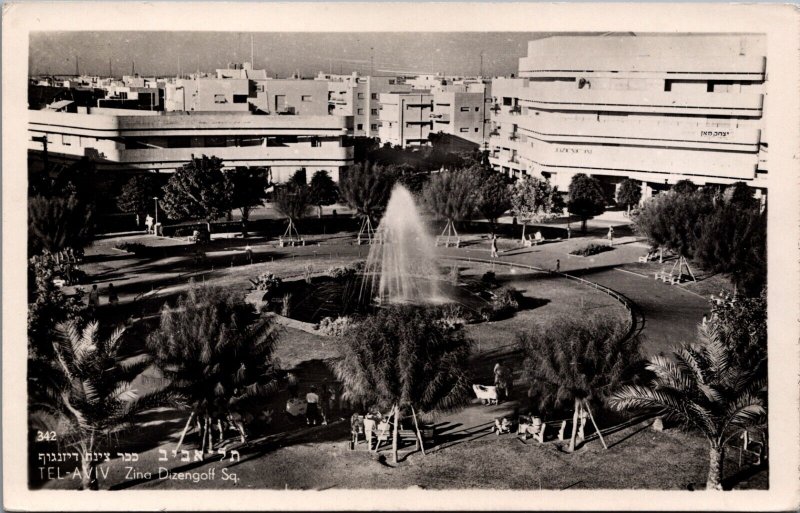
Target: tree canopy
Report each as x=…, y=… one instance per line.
x=137, y=194
x=674, y=221
x=586, y=198
x=405, y=356
x=533, y=199
x=198, y=190
x=494, y=196
x=629, y=193
x=366, y=188
x=323, y=190
x=684, y=187
x=291, y=200
x=58, y=222
x=452, y=195
x=248, y=189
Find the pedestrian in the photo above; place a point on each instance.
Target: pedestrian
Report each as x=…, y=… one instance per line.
x=610, y=235
x=569, y=232
x=558, y=265
x=312, y=407
x=248, y=251
x=494, y=246
x=292, y=384
x=148, y=223
x=112, y=295
x=501, y=381
x=94, y=297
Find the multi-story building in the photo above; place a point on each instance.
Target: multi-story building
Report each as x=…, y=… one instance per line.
x=119, y=139
x=655, y=108
x=359, y=97
x=289, y=96
x=406, y=118
x=458, y=110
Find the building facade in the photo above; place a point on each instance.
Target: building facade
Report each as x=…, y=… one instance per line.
x=359, y=97
x=654, y=108
x=156, y=141
x=406, y=119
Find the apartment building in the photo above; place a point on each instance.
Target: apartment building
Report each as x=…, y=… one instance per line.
x=118, y=139
x=207, y=95
x=359, y=97
x=458, y=110
x=289, y=96
x=655, y=108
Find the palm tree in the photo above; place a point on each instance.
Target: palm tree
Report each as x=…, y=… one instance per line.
x=90, y=391
x=703, y=388
x=404, y=358
x=577, y=361
x=215, y=352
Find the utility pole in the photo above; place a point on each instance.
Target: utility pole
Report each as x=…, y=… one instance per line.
x=133, y=67
x=252, y=53
x=481, y=71
x=110, y=74
x=371, y=61
x=77, y=68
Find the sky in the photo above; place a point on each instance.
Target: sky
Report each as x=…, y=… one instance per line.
x=281, y=53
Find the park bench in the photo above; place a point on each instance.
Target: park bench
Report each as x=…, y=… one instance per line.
x=650, y=257
x=447, y=241
x=291, y=241
x=533, y=240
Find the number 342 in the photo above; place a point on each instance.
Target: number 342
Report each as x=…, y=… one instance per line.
x=45, y=436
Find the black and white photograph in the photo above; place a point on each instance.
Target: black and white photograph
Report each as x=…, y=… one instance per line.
x=351, y=260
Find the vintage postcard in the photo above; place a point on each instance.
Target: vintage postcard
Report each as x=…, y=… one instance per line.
x=448, y=256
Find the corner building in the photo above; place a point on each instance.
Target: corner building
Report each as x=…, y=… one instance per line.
x=654, y=108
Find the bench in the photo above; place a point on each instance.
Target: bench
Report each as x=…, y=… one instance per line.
x=648, y=258
x=443, y=240
x=291, y=241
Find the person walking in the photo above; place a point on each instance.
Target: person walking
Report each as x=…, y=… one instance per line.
x=494, y=246
x=558, y=265
x=312, y=407
x=501, y=381
x=148, y=223
x=113, y=299
x=610, y=235
x=94, y=297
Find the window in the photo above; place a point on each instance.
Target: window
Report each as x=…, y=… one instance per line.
x=476, y=129
x=373, y=126
x=360, y=96
x=260, y=88
x=464, y=130
x=391, y=81
x=220, y=98
x=360, y=126
x=123, y=96
x=316, y=143
x=239, y=98
x=360, y=111
x=66, y=140
x=464, y=109
x=306, y=98
x=477, y=109
x=374, y=112
x=507, y=101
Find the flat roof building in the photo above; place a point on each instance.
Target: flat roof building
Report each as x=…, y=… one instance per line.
x=158, y=141
x=655, y=108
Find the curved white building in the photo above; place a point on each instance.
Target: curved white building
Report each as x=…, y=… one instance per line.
x=655, y=108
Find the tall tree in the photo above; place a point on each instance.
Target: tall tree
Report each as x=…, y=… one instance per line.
x=494, y=196
x=137, y=195
x=733, y=240
x=217, y=354
x=198, y=190
x=534, y=199
x=57, y=222
x=674, y=221
x=248, y=189
x=366, y=189
x=684, y=187
x=629, y=193
x=92, y=394
x=452, y=195
x=292, y=201
x=586, y=198
x=577, y=361
x=322, y=190
x=405, y=358
x=300, y=177
x=701, y=387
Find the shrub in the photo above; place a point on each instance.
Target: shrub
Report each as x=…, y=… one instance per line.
x=268, y=282
x=330, y=327
x=489, y=277
x=454, y=275
x=506, y=299
x=137, y=248
x=591, y=249
x=454, y=316
x=344, y=272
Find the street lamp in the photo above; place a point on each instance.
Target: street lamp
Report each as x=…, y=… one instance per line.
x=155, y=228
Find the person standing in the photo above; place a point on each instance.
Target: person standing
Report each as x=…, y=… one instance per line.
x=494, y=246
x=610, y=235
x=148, y=223
x=94, y=297
x=558, y=265
x=312, y=407
x=113, y=299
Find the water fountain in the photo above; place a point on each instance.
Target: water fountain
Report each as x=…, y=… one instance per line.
x=401, y=268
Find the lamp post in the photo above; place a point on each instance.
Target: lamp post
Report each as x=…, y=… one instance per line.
x=155, y=228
